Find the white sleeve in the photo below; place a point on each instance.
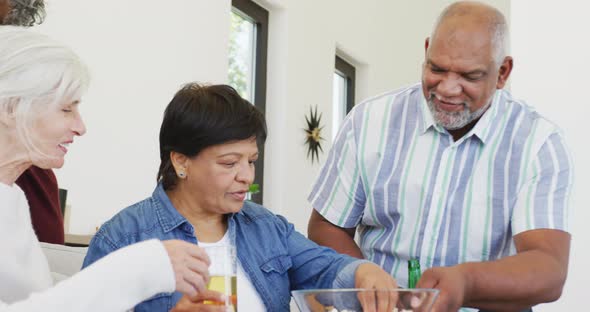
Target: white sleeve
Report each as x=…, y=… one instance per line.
x=115, y=283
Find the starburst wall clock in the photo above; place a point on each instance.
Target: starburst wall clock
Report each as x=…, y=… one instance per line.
x=313, y=139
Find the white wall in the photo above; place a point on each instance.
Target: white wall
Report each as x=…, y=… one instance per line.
x=139, y=53
x=551, y=65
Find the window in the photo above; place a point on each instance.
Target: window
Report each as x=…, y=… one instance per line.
x=247, y=63
x=343, y=92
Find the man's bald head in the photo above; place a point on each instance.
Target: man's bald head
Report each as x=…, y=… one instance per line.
x=476, y=15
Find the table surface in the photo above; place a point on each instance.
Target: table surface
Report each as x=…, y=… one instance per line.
x=77, y=239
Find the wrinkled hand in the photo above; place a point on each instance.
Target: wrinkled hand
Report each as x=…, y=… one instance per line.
x=452, y=284
x=195, y=304
x=190, y=264
x=371, y=276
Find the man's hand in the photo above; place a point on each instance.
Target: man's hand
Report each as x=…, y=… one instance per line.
x=452, y=284
x=534, y=275
x=371, y=276
x=194, y=304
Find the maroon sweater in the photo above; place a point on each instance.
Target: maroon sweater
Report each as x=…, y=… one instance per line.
x=40, y=187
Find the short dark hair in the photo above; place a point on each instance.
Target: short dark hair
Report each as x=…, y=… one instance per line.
x=200, y=116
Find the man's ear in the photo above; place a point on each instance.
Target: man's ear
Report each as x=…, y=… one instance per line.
x=504, y=72
x=426, y=44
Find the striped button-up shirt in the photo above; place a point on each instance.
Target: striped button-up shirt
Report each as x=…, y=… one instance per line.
x=414, y=192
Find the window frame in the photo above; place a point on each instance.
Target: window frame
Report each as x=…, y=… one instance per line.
x=259, y=17
x=348, y=71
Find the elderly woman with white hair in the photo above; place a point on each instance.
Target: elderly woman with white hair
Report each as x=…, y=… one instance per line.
x=41, y=83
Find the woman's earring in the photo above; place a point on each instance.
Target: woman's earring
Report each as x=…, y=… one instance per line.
x=181, y=174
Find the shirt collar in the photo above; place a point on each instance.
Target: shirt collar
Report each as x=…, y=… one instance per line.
x=482, y=129
x=168, y=216
x=426, y=117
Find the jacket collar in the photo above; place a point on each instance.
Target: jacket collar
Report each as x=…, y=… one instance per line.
x=170, y=219
x=167, y=215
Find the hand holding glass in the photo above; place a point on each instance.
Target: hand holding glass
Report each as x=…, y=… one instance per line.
x=222, y=274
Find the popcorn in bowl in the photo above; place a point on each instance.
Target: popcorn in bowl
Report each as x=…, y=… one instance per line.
x=353, y=300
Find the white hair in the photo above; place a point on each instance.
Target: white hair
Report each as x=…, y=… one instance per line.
x=500, y=39
x=496, y=22
x=25, y=12
x=36, y=73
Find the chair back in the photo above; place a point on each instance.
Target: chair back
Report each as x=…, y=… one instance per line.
x=64, y=261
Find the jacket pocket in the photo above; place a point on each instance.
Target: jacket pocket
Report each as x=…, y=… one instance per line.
x=279, y=264
x=276, y=275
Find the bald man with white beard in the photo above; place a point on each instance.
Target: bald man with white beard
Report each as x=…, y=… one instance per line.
x=456, y=173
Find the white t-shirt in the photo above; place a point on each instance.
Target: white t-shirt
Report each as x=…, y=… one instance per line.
x=248, y=297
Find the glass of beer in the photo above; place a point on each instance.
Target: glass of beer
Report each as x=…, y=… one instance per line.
x=222, y=274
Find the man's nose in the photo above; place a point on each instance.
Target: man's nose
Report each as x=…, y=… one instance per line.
x=449, y=86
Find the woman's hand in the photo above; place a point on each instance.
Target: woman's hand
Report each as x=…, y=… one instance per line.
x=371, y=276
x=190, y=264
x=195, y=304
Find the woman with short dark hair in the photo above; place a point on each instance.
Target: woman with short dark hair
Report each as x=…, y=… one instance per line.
x=208, y=147
x=203, y=116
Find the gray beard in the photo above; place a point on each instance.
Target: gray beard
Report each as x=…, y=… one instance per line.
x=455, y=120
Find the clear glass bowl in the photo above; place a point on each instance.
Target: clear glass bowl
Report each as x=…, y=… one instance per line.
x=356, y=300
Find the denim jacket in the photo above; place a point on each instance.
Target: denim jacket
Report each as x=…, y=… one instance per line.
x=275, y=257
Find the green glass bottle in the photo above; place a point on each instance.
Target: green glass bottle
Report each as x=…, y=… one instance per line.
x=413, y=272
